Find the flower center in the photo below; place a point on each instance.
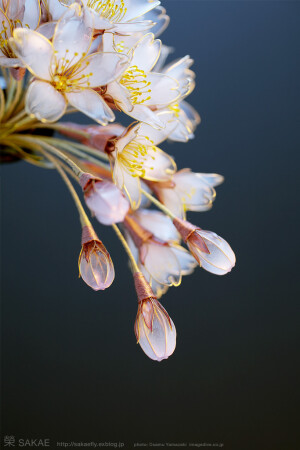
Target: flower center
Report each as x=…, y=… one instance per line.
x=135, y=81
x=134, y=156
x=67, y=73
x=112, y=10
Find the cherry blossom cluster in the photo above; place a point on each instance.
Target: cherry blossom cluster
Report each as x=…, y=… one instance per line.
x=102, y=58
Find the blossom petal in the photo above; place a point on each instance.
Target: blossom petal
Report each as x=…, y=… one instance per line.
x=158, y=224
x=132, y=188
x=145, y=53
x=120, y=95
x=158, y=136
x=137, y=8
x=44, y=102
x=32, y=14
x=99, y=69
x=72, y=38
x=162, y=264
x=144, y=114
x=92, y=105
x=55, y=9
x=159, y=166
x=159, y=17
x=186, y=260
x=94, y=20
x=164, y=90
x=34, y=50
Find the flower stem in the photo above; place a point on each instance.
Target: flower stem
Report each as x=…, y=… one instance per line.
x=158, y=204
x=135, y=267
x=84, y=220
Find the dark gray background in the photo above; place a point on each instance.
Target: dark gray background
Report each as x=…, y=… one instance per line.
x=71, y=369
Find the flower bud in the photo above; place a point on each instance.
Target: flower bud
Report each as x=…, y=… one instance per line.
x=104, y=199
x=95, y=264
x=154, y=329
x=211, y=251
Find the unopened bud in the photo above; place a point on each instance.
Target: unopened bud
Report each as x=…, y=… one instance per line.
x=95, y=265
x=104, y=199
x=211, y=251
x=154, y=329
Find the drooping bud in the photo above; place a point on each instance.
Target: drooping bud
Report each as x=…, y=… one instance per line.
x=95, y=265
x=154, y=329
x=104, y=199
x=211, y=251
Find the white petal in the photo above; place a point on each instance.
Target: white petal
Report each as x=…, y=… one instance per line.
x=34, y=50
x=99, y=69
x=92, y=105
x=137, y=8
x=213, y=179
x=221, y=258
x=159, y=165
x=194, y=192
x=72, y=38
x=47, y=29
x=131, y=133
x=132, y=188
x=186, y=260
x=55, y=8
x=158, y=136
x=120, y=95
x=164, y=90
x=146, y=52
x=162, y=264
x=132, y=27
x=171, y=199
x=130, y=184
x=158, y=224
x=191, y=114
x=44, y=102
x=94, y=20
x=32, y=14
x=178, y=69
x=159, y=17
x=144, y=114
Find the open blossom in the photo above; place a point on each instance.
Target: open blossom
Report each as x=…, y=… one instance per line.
x=136, y=156
x=119, y=16
x=185, y=116
x=211, y=251
x=15, y=14
x=154, y=329
x=139, y=91
x=188, y=191
x=95, y=264
x=64, y=72
x=104, y=199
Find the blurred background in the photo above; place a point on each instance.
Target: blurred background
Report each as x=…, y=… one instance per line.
x=71, y=370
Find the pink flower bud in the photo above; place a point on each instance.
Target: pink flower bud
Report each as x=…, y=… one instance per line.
x=95, y=264
x=105, y=200
x=211, y=251
x=154, y=329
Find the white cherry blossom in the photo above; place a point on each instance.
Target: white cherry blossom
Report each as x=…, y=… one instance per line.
x=188, y=191
x=139, y=92
x=64, y=72
x=136, y=156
